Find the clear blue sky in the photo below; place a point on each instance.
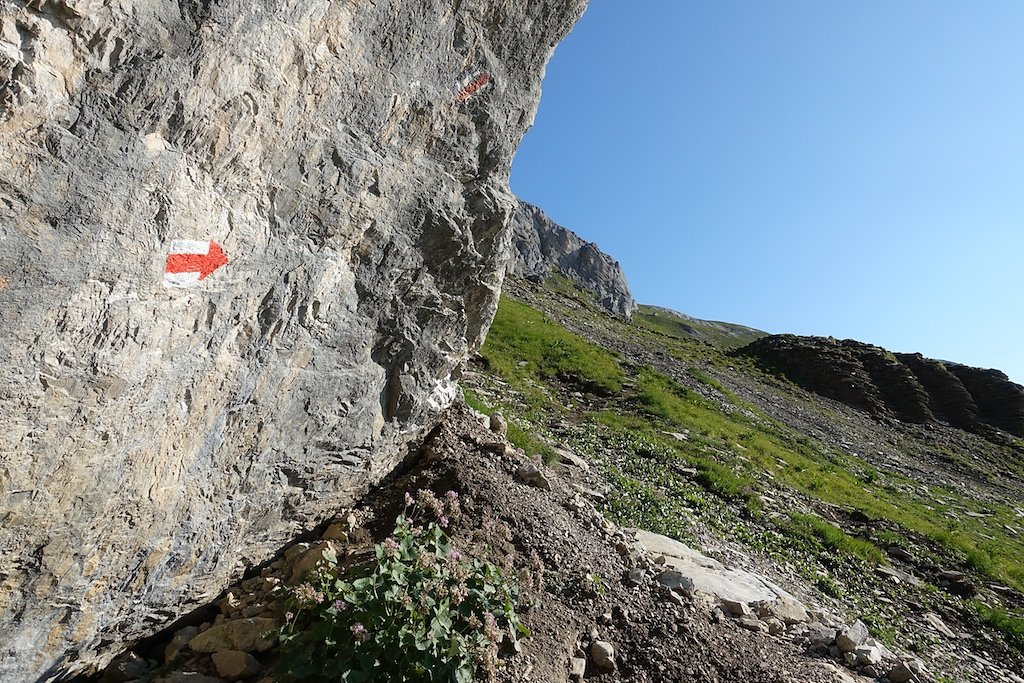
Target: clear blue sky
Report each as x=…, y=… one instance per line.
x=853, y=169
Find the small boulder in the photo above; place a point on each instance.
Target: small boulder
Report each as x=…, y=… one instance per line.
x=939, y=625
x=784, y=609
x=573, y=459
x=127, y=667
x=230, y=603
x=820, y=634
x=497, y=424
x=180, y=640
x=898, y=553
x=901, y=673
x=736, y=608
x=634, y=577
x=752, y=623
x=246, y=635
x=852, y=636
x=676, y=581
x=603, y=654
x=235, y=665
x=868, y=654
x=577, y=668
x=530, y=474
x=309, y=559
x=956, y=583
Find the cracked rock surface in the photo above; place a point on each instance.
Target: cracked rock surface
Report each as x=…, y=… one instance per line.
x=350, y=160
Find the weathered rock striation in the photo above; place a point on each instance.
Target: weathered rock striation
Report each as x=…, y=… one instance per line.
x=906, y=386
x=243, y=247
x=541, y=247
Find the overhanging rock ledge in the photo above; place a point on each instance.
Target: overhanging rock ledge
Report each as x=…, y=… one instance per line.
x=170, y=415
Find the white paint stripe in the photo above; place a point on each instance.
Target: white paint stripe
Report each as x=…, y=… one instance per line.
x=464, y=82
x=180, y=279
x=190, y=247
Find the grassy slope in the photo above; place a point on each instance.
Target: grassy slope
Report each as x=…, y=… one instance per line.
x=719, y=334
x=672, y=457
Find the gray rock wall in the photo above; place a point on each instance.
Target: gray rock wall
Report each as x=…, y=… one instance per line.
x=540, y=246
x=169, y=417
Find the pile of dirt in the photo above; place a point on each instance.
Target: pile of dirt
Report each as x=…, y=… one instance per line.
x=583, y=581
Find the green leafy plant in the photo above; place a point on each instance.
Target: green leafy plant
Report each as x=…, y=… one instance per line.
x=815, y=530
x=423, y=611
x=594, y=583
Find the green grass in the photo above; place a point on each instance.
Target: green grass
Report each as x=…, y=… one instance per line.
x=1010, y=626
x=520, y=334
x=711, y=475
x=520, y=436
x=733, y=450
x=720, y=335
x=816, y=530
x=476, y=403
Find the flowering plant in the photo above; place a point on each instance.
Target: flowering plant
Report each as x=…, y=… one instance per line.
x=423, y=612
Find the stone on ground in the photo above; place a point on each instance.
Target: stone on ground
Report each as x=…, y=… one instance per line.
x=711, y=577
x=235, y=665
x=852, y=636
x=603, y=654
x=246, y=635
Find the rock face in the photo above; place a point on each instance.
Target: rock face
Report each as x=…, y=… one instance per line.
x=541, y=246
x=907, y=386
x=243, y=246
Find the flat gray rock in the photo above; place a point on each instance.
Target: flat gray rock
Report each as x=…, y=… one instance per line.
x=711, y=577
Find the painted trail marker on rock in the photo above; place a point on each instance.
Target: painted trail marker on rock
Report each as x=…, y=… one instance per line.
x=472, y=84
x=190, y=261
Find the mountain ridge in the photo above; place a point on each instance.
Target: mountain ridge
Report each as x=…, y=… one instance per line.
x=909, y=386
x=540, y=247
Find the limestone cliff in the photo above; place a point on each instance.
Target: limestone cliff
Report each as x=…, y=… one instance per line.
x=243, y=246
x=541, y=247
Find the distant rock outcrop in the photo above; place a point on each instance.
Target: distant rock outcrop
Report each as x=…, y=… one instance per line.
x=243, y=247
x=541, y=247
x=906, y=386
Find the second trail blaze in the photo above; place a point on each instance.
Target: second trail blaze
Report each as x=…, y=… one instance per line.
x=473, y=86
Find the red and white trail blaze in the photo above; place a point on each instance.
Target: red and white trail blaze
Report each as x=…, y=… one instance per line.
x=467, y=90
x=190, y=261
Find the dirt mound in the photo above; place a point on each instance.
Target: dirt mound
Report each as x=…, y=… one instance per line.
x=581, y=580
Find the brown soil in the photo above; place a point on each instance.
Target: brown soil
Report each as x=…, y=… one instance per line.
x=654, y=639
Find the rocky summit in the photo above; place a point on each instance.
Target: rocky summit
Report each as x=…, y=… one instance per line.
x=243, y=246
x=542, y=248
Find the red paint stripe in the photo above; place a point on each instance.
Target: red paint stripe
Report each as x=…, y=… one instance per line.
x=185, y=263
x=204, y=264
x=480, y=81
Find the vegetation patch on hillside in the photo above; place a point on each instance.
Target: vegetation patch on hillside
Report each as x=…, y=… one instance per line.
x=678, y=449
